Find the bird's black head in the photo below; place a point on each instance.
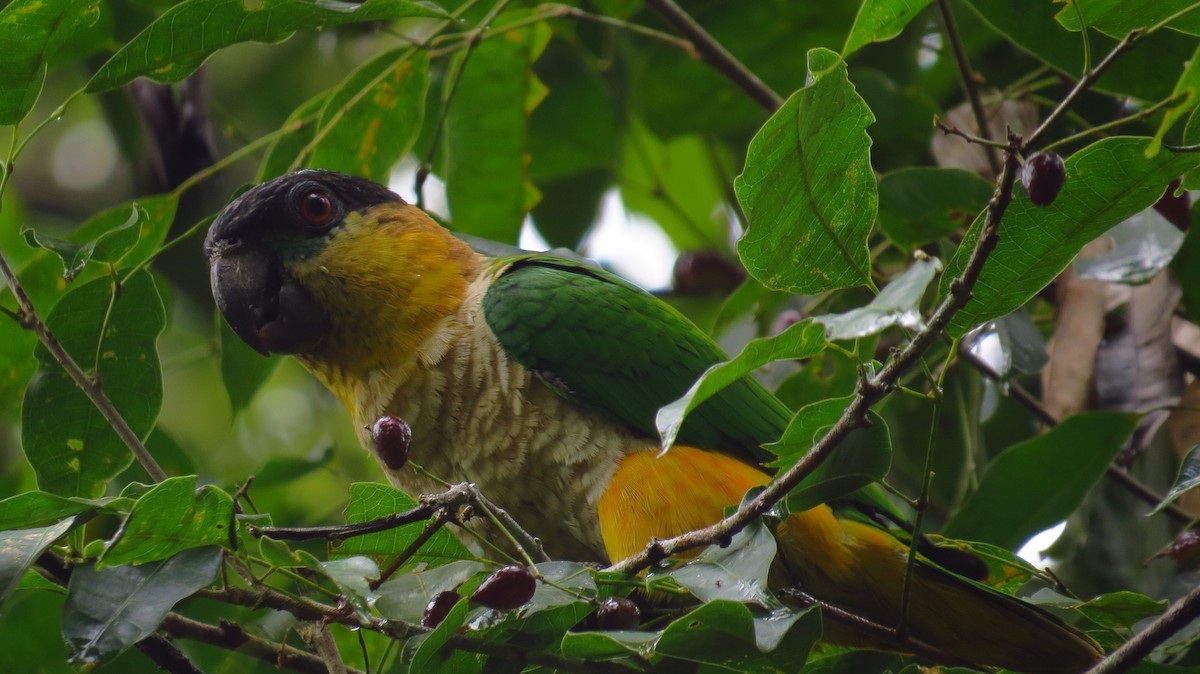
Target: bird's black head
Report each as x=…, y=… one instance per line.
x=260, y=234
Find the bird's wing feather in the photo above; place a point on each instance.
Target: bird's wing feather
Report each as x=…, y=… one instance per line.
x=610, y=345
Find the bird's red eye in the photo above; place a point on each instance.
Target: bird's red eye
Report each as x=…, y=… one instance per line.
x=316, y=207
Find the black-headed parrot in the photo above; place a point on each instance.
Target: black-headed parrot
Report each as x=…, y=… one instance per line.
x=538, y=378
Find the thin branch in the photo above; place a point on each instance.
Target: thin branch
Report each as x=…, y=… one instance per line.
x=232, y=637
x=1089, y=78
x=970, y=138
x=1107, y=126
x=439, y=520
x=870, y=390
x=167, y=655
x=90, y=386
x=1133, y=651
x=1043, y=415
x=318, y=637
x=887, y=636
x=970, y=85
x=715, y=54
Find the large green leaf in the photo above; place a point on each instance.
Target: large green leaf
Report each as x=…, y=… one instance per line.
x=175, y=45
x=369, y=132
x=109, y=610
x=808, y=190
x=880, y=20
x=1106, y=183
x=31, y=31
x=1035, y=484
x=1187, y=99
x=285, y=151
x=1117, y=17
x=728, y=634
x=897, y=304
x=864, y=457
x=1148, y=72
x=368, y=501
x=171, y=517
x=920, y=204
x=72, y=448
x=32, y=508
x=486, y=159
x=802, y=340
x=20, y=548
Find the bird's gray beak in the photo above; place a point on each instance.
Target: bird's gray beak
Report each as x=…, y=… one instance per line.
x=269, y=310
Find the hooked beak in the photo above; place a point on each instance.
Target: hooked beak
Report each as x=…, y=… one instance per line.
x=268, y=309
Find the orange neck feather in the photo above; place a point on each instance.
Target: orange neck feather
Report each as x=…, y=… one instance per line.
x=389, y=279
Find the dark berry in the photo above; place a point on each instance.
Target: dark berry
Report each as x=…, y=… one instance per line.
x=1186, y=549
x=618, y=613
x=438, y=608
x=1043, y=177
x=393, y=439
x=507, y=588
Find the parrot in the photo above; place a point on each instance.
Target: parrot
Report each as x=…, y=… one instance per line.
x=537, y=377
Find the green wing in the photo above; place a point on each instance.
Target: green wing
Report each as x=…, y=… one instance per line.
x=610, y=345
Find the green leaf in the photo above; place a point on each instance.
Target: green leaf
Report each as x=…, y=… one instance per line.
x=368, y=501
x=676, y=184
x=727, y=634
x=1106, y=183
x=1121, y=610
x=109, y=610
x=1147, y=73
x=353, y=576
x=1117, y=17
x=1188, y=99
x=609, y=645
x=1142, y=245
x=243, y=370
x=802, y=340
x=808, y=190
x=404, y=597
x=31, y=32
x=154, y=217
x=1187, y=480
x=487, y=183
x=1036, y=483
x=37, y=507
x=897, y=304
x=20, y=548
x=74, y=451
x=880, y=20
x=109, y=247
x=864, y=457
x=176, y=44
x=921, y=204
x=285, y=151
x=171, y=517
x=737, y=572
x=374, y=117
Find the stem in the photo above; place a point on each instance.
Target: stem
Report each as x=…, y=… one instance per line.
x=970, y=85
x=1089, y=78
x=1131, y=652
x=870, y=390
x=716, y=55
x=90, y=387
x=1043, y=415
x=1101, y=128
x=232, y=637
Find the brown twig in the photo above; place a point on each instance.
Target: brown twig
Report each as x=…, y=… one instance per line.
x=886, y=636
x=870, y=390
x=1043, y=415
x=231, y=636
x=318, y=637
x=1089, y=78
x=970, y=85
x=716, y=55
x=1131, y=652
x=439, y=520
x=970, y=138
x=90, y=386
x=167, y=655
